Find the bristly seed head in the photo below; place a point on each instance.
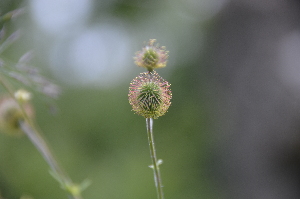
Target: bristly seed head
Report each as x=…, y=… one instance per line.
x=152, y=56
x=149, y=95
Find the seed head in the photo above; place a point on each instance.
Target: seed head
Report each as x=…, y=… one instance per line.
x=149, y=95
x=152, y=56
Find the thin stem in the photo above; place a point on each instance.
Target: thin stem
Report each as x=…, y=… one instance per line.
x=42, y=147
x=157, y=177
x=29, y=128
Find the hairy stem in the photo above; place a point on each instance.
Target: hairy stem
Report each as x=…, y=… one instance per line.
x=155, y=165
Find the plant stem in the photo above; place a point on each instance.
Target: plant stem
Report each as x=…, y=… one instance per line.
x=30, y=129
x=43, y=148
x=157, y=178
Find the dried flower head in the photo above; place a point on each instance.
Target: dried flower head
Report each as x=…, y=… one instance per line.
x=11, y=115
x=152, y=56
x=149, y=95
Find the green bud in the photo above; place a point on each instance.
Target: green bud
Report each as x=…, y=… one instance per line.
x=22, y=96
x=11, y=115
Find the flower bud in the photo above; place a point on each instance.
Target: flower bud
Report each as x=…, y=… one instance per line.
x=149, y=95
x=11, y=115
x=152, y=56
x=22, y=96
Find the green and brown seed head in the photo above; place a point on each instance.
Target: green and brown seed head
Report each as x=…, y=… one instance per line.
x=152, y=56
x=149, y=95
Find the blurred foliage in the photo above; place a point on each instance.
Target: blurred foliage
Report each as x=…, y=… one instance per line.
x=7, y=5
x=95, y=135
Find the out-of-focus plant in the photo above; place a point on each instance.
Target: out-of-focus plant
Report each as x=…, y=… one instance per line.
x=150, y=95
x=17, y=112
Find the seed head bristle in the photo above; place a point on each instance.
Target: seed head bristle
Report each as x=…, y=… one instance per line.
x=149, y=95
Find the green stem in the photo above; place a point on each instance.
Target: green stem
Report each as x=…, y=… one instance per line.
x=29, y=128
x=42, y=147
x=157, y=178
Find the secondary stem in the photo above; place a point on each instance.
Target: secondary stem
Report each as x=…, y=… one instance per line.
x=42, y=147
x=33, y=134
x=157, y=178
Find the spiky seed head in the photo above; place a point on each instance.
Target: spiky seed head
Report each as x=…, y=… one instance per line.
x=152, y=56
x=149, y=95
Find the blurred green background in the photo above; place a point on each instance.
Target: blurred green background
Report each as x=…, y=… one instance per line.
x=232, y=130
x=86, y=47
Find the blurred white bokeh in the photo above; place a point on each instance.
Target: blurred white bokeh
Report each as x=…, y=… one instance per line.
x=57, y=16
x=87, y=48
x=100, y=55
x=79, y=53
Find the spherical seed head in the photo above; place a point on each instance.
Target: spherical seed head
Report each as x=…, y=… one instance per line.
x=149, y=95
x=152, y=56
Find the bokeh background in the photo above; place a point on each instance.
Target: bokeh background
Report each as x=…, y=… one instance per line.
x=232, y=130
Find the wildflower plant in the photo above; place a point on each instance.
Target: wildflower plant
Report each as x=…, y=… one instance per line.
x=150, y=95
x=16, y=110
